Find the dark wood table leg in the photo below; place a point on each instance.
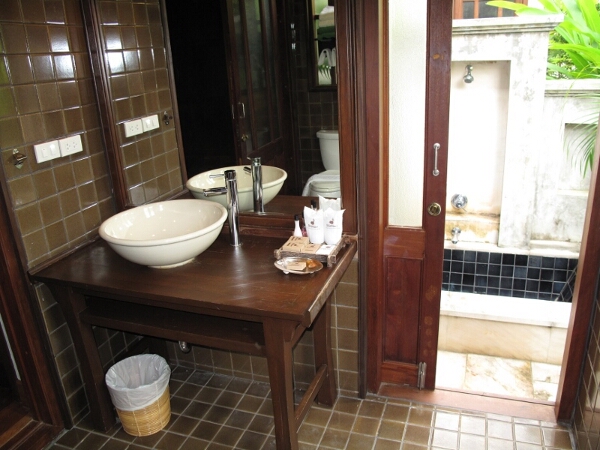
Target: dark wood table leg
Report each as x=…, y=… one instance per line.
x=322, y=343
x=278, y=343
x=101, y=410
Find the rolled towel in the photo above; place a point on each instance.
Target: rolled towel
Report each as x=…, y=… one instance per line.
x=326, y=20
x=325, y=33
x=328, y=175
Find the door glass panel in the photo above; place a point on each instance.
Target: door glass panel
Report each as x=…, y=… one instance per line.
x=407, y=112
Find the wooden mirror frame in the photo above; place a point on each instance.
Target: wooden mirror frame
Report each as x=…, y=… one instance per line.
x=345, y=17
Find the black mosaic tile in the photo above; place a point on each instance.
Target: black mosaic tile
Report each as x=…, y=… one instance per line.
x=547, y=262
x=518, y=284
x=533, y=274
x=508, y=259
x=508, y=274
x=547, y=275
x=520, y=272
x=535, y=261
x=481, y=269
x=469, y=268
x=494, y=269
x=521, y=260
x=483, y=257
x=495, y=258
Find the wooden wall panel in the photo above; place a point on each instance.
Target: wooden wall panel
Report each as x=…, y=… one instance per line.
x=402, y=309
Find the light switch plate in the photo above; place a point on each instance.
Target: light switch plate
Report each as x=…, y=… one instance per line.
x=150, y=123
x=46, y=151
x=133, y=127
x=70, y=145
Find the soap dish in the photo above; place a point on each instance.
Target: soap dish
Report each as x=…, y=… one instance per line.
x=312, y=265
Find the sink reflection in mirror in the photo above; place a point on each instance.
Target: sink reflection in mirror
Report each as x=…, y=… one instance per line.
x=164, y=234
x=272, y=180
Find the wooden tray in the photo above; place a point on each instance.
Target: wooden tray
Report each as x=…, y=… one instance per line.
x=330, y=259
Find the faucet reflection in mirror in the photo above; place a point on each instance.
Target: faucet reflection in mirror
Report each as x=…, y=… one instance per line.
x=272, y=179
x=257, y=190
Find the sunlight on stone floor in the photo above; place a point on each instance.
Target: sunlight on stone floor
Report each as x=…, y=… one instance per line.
x=500, y=376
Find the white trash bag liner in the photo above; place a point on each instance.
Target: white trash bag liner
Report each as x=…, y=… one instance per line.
x=137, y=381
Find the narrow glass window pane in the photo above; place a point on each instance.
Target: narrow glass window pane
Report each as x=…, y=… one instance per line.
x=487, y=11
x=468, y=10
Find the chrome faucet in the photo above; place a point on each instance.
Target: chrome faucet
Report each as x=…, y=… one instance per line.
x=257, y=188
x=459, y=201
x=455, y=234
x=233, y=204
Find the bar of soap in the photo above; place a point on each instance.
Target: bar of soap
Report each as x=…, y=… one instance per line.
x=296, y=244
x=311, y=248
x=296, y=265
x=292, y=247
x=303, y=240
x=325, y=249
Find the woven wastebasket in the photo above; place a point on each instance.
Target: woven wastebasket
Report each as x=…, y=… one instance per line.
x=139, y=390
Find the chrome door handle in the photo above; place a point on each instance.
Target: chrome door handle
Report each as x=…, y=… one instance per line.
x=436, y=147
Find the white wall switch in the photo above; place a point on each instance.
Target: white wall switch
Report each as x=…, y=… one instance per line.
x=70, y=145
x=150, y=123
x=46, y=151
x=133, y=127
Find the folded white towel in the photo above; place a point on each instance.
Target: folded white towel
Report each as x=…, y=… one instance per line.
x=325, y=57
x=327, y=9
x=328, y=175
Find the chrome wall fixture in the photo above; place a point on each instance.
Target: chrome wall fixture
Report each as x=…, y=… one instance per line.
x=19, y=158
x=459, y=201
x=468, y=78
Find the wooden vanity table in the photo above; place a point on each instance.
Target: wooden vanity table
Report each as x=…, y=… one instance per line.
x=230, y=298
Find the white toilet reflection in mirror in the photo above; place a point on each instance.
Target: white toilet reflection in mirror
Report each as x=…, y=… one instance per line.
x=326, y=184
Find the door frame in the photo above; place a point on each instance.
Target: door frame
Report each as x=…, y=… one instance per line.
x=38, y=384
x=372, y=135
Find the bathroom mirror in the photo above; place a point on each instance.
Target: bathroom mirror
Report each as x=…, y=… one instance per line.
x=114, y=34
x=322, y=45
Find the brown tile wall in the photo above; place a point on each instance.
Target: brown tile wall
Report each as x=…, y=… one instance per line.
x=136, y=63
x=47, y=93
x=586, y=423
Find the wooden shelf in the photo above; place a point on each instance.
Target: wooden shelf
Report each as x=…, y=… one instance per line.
x=241, y=336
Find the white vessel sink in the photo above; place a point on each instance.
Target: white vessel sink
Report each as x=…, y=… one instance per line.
x=164, y=234
x=272, y=180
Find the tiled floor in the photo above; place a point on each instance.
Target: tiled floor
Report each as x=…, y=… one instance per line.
x=218, y=412
x=500, y=376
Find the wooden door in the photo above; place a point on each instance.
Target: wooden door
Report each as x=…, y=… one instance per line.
x=256, y=76
x=405, y=269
